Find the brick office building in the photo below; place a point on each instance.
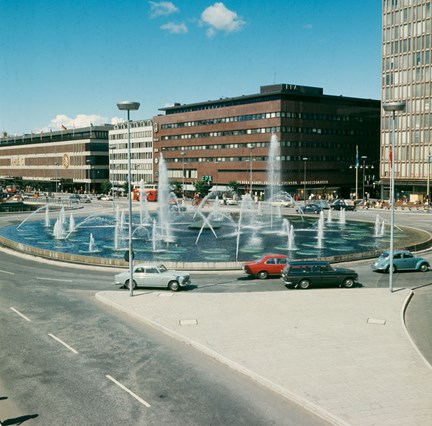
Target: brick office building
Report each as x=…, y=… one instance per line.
x=228, y=140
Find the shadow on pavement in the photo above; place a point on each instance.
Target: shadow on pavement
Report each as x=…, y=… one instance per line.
x=18, y=420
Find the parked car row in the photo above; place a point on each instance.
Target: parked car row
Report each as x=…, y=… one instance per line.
x=315, y=207
x=304, y=273
x=299, y=274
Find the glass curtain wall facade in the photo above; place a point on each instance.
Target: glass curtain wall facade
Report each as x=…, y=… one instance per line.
x=406, y=76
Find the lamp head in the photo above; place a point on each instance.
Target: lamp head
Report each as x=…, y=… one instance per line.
x=128, y=106
x=394, y=106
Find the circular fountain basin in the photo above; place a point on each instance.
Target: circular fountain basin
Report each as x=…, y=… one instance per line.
x=221, y=243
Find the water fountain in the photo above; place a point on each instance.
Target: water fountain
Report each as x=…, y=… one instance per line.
x=320, y=234
x=342, y=219
x=91, y=247
x=291, y=239
x=379, y=227
x=329, y=215
x=382, y=230
x=71, y=223
x=202, y=234
x=47, y=220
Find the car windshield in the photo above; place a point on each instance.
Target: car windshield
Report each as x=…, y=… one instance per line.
x=162, y=268
x=385, y=255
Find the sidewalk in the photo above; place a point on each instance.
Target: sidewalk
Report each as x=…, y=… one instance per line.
x=343, y=354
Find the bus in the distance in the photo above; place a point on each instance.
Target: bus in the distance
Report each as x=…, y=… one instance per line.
x=149, y=190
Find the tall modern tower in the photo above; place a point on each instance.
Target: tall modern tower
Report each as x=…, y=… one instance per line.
x=406, y=76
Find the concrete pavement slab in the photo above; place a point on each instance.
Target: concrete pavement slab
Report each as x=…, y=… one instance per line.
x=343, y=354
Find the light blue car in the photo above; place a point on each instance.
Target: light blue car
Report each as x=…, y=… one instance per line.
x=403, y=260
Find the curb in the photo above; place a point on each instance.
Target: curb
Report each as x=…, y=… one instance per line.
x=402, y=317
x=315, y=409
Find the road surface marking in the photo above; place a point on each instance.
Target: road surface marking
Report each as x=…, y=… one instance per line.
x=54, y=279
x=20, y=314
x=129, y=391
x=63, y=343
x=7, y=272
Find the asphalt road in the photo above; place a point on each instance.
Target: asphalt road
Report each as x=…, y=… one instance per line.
x=64, y=356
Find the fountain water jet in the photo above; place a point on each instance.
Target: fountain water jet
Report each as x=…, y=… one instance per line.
x=320, y=235
x=31, y=215
x=47, y=221
x=71, y=223
x=291, y=239
x=91, y=244
x=342, y=219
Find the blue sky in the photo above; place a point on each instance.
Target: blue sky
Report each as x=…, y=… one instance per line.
x=70, y=62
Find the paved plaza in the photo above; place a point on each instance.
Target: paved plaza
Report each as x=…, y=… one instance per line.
x=343, y=354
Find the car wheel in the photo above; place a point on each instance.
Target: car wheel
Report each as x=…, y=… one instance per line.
x=134, y=285
x=388, y=269
x=348, y=283
x=424, y=267
x=173, y=285
x=262, y=275
x=304, y=284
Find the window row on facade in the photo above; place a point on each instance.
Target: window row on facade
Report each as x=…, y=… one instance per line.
x=270, y=130
x=268, y=115
x=287, y=144
x=406, y=10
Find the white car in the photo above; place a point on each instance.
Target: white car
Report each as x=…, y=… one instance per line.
x=282, y=203
x=106, y=198
x=153, y=275
x=228, y=202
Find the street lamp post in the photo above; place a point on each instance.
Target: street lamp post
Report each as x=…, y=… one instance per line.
x=428, y=179
x=392, y=107
x=305, y=159
x=364, y=158
x=55, y=176
x=129, y=106
x=183, y=153
x=112, y=168
x=89, y=175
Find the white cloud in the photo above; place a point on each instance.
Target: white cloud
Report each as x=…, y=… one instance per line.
x=117, y=120
x=219, y=18
x=81, y=120
x=175, y=28
x=162, y=8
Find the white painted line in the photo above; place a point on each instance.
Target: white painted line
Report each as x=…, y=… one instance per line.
x=54, y=279
x=20, y=314
x=7, y=272
x=129, y=391
x=63, y=343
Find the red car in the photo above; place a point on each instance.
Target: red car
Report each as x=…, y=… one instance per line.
x=269, y=264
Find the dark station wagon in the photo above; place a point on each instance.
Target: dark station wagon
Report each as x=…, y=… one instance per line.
x=304, y=274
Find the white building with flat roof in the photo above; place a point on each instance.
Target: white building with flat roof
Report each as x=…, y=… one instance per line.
x=141, y=134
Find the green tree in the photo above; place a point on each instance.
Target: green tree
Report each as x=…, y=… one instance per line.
x=106, y=187
x=233, y=186
x=177, y=188
x=202, y=188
